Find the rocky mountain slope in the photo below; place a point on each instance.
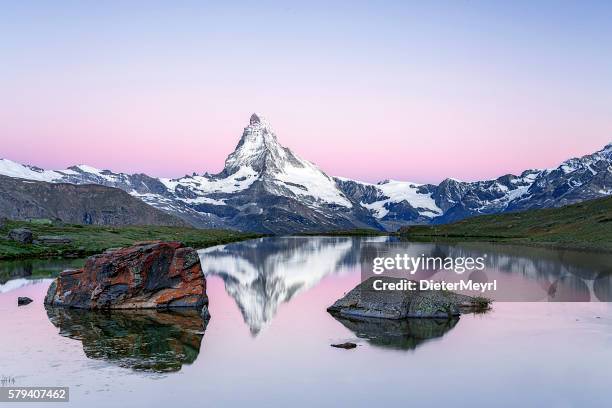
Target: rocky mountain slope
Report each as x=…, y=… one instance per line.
x=76, y=204
x=265, y=187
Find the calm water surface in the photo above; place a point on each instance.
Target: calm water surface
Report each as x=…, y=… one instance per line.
x=268, y=340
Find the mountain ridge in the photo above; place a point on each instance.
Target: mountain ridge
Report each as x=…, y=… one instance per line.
x=90, y=204
x=264, y=187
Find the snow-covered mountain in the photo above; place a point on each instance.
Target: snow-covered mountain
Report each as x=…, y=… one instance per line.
x=265, y=187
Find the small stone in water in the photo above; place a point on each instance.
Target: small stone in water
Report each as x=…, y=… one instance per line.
x=22, y=301
x=345, y=345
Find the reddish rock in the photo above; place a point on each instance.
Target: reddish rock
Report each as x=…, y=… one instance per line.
x=148, y=275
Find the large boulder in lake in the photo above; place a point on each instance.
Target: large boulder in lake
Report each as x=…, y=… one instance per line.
x=366, y=302
x=148, y=275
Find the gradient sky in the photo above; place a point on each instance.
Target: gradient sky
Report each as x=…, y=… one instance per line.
x=370, y=90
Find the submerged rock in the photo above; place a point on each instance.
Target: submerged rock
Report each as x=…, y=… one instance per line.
x=364, y=301
x=404, y=334
x=346, y=345
x=148, y=275
x=22, y=301
x=21, y=235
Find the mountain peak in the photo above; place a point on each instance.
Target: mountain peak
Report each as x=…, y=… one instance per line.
x=254, y=119
x=258, y=149
x=258, y=122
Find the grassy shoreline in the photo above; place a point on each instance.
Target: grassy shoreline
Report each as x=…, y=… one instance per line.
x=585, y=226
x=360, y=232
x=88, y=240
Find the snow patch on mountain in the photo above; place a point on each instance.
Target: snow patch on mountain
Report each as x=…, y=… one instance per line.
x=308, y=181
x=388, y=192
x=398, y=191
x=13, y=169
x=202, y=185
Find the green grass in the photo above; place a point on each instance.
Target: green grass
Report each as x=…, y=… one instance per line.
x=586, y=226
x=93, y=239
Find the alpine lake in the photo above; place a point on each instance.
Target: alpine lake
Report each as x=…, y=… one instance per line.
x=268, y=341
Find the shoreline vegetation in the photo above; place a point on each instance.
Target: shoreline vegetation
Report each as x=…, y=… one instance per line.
x=86, y=240
x=583, y=226
x=359, y=232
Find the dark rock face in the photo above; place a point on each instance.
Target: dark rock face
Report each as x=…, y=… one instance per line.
x=142, y=340
x=77, y=204
x=148, y=275
x=22, y=301
x=21, y=235
x=365, y=302
x=265, y=212
x=3, y=222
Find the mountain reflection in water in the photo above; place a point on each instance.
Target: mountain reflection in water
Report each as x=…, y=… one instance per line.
x=261, y=274
x=143, y=340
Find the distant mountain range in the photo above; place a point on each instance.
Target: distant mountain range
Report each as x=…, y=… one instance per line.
x=77, y=204
x=265, y=187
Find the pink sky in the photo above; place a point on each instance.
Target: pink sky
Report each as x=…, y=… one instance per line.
x=408, y=92
x=379, y=145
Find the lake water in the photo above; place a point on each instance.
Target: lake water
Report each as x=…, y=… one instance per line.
x=268, y=342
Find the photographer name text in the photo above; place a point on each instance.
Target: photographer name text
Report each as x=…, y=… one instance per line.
x=412, y=285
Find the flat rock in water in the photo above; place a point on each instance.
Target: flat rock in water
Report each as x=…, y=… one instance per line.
x=149, y=275
x=364, y=301
x=22, y=301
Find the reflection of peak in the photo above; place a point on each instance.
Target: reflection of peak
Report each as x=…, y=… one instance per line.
x=259, y=301
x=261, y=274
